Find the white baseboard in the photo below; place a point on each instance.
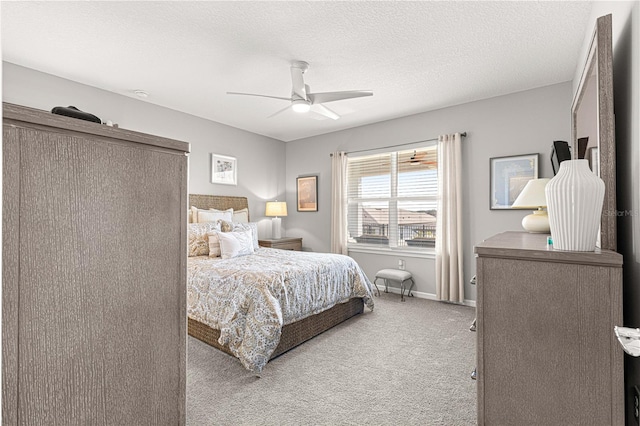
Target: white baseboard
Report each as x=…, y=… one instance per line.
x=468, y=302
x=423, y=295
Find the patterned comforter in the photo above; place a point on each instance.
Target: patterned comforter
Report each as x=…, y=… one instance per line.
x=250, y=298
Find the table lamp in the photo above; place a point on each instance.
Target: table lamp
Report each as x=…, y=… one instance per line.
x=275, y=209
x=532, y=196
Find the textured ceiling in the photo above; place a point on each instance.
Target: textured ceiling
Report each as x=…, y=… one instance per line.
x=415, y=56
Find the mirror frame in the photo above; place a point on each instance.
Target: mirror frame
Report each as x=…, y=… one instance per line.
x=600, y=59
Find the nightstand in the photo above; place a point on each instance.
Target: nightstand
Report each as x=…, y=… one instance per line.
x=282, y=243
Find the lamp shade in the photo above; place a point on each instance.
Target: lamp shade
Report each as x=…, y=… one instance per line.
x=532, y=196
x=276, y=208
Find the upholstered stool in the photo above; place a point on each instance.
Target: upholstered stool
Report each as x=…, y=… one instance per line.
x=395, y=275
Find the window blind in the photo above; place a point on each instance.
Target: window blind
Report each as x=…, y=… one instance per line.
x=392, y=198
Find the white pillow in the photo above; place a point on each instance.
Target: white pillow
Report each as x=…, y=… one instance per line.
x=234, y=244
x=214, y=241
x=212, y=215
x=251, y=226
x=241, y=216
x=194, y=214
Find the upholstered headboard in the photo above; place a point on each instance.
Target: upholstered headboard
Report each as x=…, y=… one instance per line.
x=219, y=202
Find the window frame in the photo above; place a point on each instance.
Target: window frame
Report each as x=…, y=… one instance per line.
x=391, y=248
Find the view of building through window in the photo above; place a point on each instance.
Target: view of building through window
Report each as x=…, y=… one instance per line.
x=392, y=198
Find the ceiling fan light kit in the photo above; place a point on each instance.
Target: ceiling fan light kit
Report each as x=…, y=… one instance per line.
x=300, y=105
x=302, y=101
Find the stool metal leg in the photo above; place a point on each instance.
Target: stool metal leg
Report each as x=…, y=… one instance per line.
x=376, y=286
x=403, y=287
x=412, y=284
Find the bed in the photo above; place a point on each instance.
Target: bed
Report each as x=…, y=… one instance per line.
x=225, y=296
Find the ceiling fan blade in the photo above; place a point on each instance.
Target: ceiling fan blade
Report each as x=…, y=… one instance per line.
x=320, y=98
x=280, y=111
x=262, y=96
x=298, y=88
x=324, y=111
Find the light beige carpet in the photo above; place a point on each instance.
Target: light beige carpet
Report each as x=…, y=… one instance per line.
x=402, y=364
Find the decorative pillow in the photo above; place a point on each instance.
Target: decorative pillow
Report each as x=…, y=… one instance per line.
x=241, y=216
x=225, y=226
x=189, y=216
x=214, y=245
x=251, y=226
x=198, y=237
x=212, y=215
x=234, y=244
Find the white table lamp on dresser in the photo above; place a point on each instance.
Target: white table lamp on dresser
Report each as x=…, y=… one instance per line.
x=533, y=196
x=275, y=209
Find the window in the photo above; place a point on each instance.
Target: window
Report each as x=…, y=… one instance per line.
x=392, y=198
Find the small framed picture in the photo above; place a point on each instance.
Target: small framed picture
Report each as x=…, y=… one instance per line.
x=509, y=175
x=224, y=169
x=307, y=190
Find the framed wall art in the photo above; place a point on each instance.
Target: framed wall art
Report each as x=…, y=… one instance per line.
x=224, y=169
x=509, y=175
x=307, y=190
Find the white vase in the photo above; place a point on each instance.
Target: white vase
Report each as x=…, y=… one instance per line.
x=574, y=203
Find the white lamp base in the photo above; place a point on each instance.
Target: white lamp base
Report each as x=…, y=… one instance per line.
x=275, y=228
x=538, y=222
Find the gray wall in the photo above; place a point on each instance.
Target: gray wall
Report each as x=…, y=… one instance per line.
x=626, y=82
x=520, y=123
x=261, y=160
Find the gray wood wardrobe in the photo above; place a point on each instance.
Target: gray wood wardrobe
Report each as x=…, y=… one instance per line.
x=93, y=273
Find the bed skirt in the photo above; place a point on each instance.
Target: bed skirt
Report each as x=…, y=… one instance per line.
x=292, y=334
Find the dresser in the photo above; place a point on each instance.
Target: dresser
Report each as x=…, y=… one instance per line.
x=282, y=243
x=94, y=273
x=546, y=349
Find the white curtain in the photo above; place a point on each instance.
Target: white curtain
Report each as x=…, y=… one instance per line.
x=449, y=276
x=339, y=202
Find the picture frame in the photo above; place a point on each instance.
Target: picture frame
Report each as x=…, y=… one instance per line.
x=307, y=193
x=224, y=169
x=509, y=175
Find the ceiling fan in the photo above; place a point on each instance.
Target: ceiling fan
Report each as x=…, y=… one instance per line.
x=302, y=100
x=425, y=158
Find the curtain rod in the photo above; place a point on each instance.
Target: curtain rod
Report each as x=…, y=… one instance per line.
x=463, y=134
